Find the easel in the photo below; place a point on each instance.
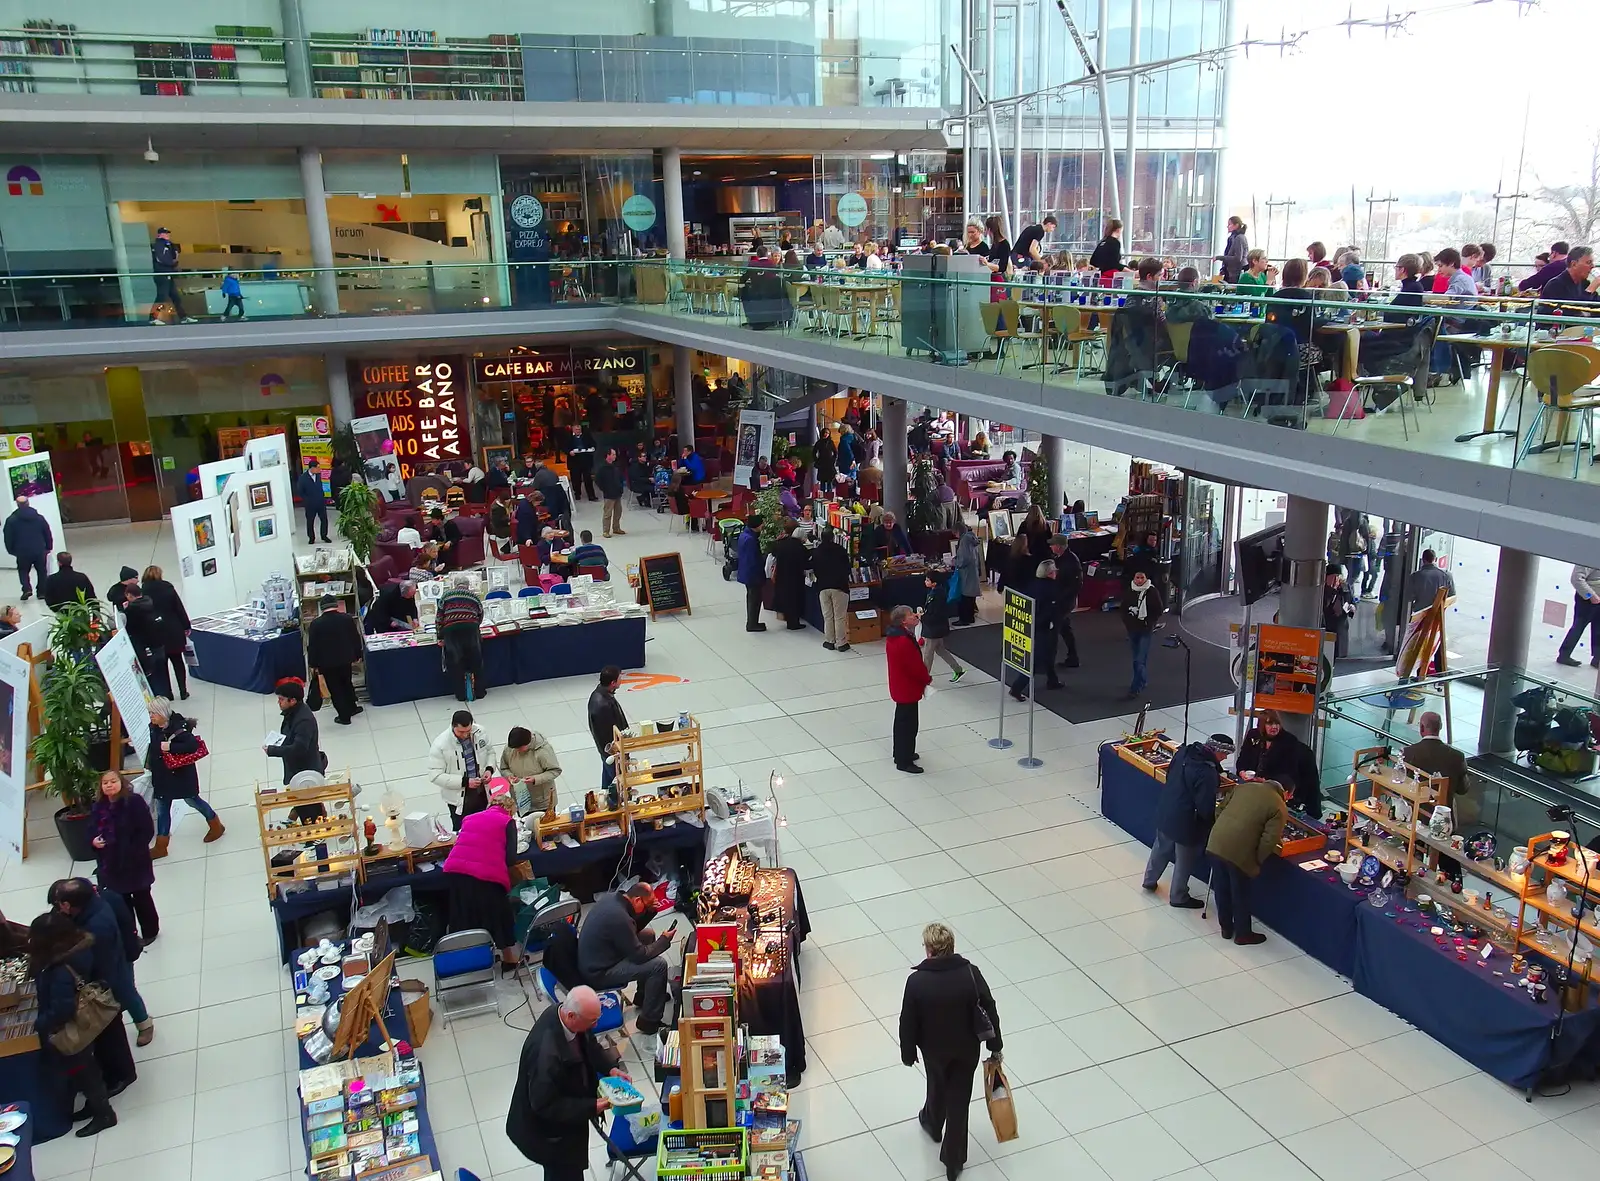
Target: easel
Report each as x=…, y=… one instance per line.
x=361, y=1007
x=35, y=728
x=1425, y=637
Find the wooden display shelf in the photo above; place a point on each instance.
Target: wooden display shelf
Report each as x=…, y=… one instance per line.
x=1541, y=872
x=1386, y=856
x=1409, y=789
x=1371, y=768
x=334, y=798
x=408, y=857
x=1475, y=915
x=1366, y=811
x=633, y=780
x=1480, y=869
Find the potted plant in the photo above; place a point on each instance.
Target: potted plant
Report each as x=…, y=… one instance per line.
x=73, y=697
x=358, y=519
x=1039, y=484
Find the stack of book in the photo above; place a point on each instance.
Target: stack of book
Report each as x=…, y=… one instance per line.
x=711, y=992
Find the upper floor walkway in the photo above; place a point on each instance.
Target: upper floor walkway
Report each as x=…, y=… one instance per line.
x=1482, y=457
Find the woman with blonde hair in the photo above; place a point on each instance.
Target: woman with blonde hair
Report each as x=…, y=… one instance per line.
x=947, y=1015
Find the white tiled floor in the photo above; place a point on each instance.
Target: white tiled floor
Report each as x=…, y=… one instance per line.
x=1142, y=1046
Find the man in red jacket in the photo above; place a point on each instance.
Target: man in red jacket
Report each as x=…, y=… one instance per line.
x=908, y=679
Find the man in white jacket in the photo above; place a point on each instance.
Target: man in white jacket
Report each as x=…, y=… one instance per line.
x=461, y=761
x=1585, y=614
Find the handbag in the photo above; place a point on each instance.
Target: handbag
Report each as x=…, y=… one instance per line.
x=96, y=1010
x=982, y=1027
x=174, y=762
x=997, y=1098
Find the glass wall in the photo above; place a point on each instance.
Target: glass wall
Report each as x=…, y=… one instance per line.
x=721, y=52
x=125, y=440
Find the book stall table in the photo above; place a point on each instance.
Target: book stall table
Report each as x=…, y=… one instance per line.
x=344, y=1007
x=1411, y=943
x=227, y=654
x=407, y=666
x=23, y=1079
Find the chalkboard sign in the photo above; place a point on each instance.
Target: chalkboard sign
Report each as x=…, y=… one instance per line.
x=664, y=587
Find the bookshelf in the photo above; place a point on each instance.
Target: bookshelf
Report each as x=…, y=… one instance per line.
x=416, y=64
x=650, y=790
x=334, y=837
x=50, y=57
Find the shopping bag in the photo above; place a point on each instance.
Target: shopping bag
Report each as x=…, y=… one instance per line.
x=419, y=1013
x=190, y=657
x=314, y=693
x=1344, y=401
x=997, y=1097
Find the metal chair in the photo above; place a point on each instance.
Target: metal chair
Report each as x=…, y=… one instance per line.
x=1559, y=376
x=464, y=964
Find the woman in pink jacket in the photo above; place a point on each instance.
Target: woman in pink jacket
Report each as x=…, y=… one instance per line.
x=479, y=872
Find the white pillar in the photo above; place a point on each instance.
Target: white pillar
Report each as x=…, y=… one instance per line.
x=1305, y=556
x=894, y=457
x=672, y=197
x=316, y=197
x=1133, y=124
x=683, y=393
x=1510, y=625
x=337, y=371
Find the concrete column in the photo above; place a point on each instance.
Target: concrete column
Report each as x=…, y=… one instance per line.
x=894, y=457
x=338, y=375
x=1509, y=628
x=683, y=393
x=296, y=53
x=1134, y=17
x=1054, y=452
x=327, y=284
x=672, y=195
x=1305, y=553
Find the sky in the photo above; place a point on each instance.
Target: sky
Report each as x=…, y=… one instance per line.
x=1427, y=112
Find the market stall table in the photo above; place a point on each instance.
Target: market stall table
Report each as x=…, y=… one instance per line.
x=1498, y=347
x=1499, y=1029
x=22, y=1163
x=413, y=673
x=23, y=1081
x=1316, y=915
x=243, y=663
x=395, y=1021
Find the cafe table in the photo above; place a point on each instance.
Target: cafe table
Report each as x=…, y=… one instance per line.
x=1350, y=335
x=1498, y=346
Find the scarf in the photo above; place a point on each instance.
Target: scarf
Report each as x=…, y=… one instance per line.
x=1138, y=608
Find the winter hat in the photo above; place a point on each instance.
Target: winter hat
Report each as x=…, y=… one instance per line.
x=127, y=573
x=1220, y=745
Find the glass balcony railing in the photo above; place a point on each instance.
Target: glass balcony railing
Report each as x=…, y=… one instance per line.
x=1507, y=382
x=255, y=62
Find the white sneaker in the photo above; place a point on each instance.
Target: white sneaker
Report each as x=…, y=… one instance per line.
x=188, y=320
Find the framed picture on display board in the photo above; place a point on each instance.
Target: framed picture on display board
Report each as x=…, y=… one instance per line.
x=208, y=567
x=497, y=453
x=205, y=533
x=266, y=528
x=260, y=496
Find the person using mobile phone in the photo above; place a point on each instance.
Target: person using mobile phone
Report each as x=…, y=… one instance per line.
x=613, y=952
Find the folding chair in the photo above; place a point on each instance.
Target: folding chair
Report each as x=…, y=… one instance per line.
x=529, y=592
x=1561, y=379
x=499, y=594
x=622, y=1149
x=464, y=963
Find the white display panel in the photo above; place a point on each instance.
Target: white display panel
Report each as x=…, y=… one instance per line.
x=35, y=474
x=126, y=682
x=13, y=754
x=205, y=556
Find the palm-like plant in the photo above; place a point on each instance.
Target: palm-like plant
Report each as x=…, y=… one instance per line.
x=73, y=697
x=358, y=519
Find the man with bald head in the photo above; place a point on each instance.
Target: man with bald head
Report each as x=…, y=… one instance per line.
x=557, y=1090
x=1434, y=755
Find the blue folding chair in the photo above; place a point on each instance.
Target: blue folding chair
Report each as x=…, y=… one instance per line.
x=561, y=588
x=528, y=592
x=497, y=594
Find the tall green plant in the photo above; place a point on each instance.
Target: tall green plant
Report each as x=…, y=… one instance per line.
x=74, y=696
x=770, y=505
x=358, y=518
x=1039, y=484
x=924, y=510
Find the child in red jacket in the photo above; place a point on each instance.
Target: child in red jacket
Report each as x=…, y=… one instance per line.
x=908, y=679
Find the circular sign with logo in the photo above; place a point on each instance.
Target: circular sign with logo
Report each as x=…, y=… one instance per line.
x=22, y=444
x=527, y=212
x=321, y=427
x=852, y=209
x=638, y=212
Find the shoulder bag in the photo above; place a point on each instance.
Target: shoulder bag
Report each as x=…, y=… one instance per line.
x=982, y=1027
x=96, y=1010
x=175, y=761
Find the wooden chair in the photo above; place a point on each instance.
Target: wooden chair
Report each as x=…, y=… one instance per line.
x=1003, y=322
x=1561, y=377
x=650, y=283
x=1067, y=322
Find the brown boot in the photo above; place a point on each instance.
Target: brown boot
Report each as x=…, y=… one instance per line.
x=160, y=849
x=215, y=831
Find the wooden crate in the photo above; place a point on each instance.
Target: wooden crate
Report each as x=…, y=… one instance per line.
x=863, y=631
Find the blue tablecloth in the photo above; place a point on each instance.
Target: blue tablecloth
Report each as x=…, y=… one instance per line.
x=22, y=1166
x=394, y=1019
x=22, y=1081
x=411, y=674
x=560, y=862
x=253, y=665
x=1314, y=911
x=1502, y=1031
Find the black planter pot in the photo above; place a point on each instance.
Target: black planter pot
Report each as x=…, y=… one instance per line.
x=77, y=833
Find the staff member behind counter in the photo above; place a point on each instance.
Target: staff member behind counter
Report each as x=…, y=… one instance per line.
x=1271, y=752
x=1432, y=754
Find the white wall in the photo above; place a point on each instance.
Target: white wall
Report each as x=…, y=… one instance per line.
x=201, y=595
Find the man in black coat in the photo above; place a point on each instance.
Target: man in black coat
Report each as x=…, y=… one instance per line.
x=126, y=587
x=612, y=479
x=333, y=645
x=1184, y=812
x=148, y=634
x=28, y=539
x=1069, y=584
x=605, y=712
x=395, y=608
x=558, y=1075
x=314, y=500
x=300, y=749
x=63, y=586
x=580, y=448
x=939, y=1016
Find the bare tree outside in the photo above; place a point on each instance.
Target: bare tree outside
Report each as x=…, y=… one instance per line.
x=1571, y=213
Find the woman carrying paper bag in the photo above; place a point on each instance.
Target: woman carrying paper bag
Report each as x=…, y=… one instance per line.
x=947, y=1013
